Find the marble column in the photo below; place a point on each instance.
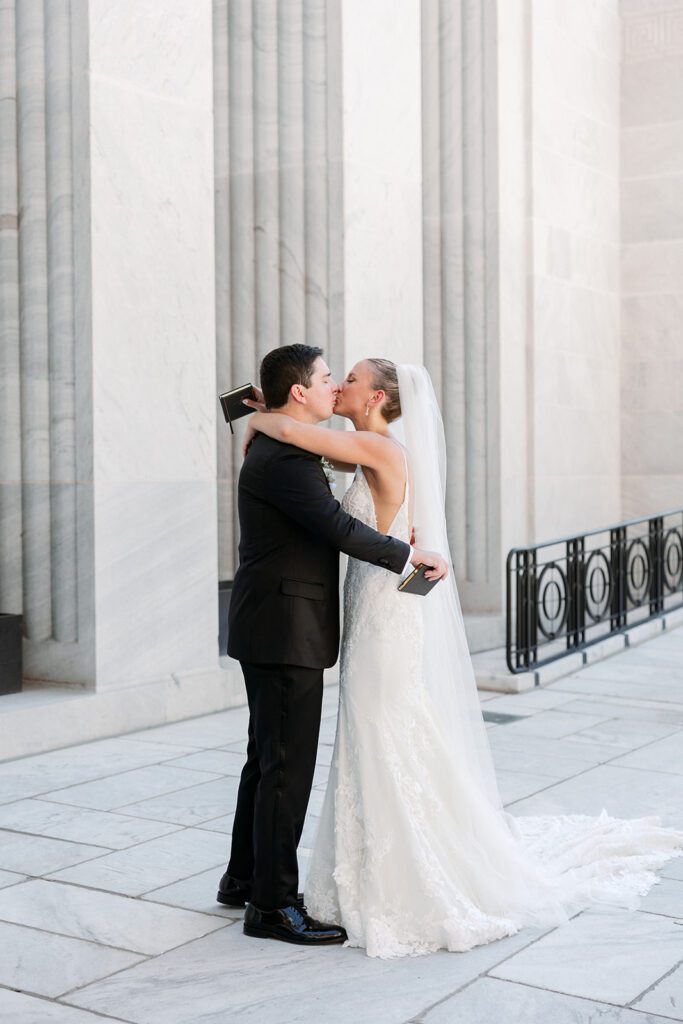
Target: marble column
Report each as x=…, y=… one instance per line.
x=154, y=403
x=461, y=341
x=279, y=268
x=115, y=349
x=382, y=169
x=38, y=492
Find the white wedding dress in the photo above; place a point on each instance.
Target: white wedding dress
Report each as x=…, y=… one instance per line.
x=412, y=854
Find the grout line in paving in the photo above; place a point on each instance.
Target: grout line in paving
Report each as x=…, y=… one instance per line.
x=418, y=1017
x=654, y=985
x=147, y=959
x=79, y=938
x=55, y=1001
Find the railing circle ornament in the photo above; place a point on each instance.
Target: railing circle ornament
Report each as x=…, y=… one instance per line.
x=599, y=585
x=552, y=600
x=672, y=560
x=638, y=570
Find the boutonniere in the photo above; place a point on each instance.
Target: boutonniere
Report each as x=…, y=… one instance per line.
x=328, y=470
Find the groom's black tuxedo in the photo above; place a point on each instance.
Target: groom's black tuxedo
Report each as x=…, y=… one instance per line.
x=285, y=599
x=284, y=629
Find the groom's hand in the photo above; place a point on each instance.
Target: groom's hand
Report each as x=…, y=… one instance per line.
x=438, y=565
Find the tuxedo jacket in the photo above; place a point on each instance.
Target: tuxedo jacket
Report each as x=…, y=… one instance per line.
x=284, y=607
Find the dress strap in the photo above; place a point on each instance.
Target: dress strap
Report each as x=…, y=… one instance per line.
x=406, y=495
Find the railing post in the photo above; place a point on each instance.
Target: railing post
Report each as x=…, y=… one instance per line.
x=618, y=566
x=576, y=596
x=656, y=534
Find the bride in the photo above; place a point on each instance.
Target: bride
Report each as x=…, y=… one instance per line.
x=414, y=851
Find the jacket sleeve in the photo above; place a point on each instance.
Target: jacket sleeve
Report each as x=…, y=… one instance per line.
x=295, y=483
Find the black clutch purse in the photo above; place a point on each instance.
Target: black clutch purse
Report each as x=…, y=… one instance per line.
x=416, y=582
x=232, y=403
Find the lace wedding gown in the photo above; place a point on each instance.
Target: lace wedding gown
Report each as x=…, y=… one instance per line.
x=410, y=855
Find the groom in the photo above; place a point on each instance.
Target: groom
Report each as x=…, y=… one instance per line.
x=284, y=630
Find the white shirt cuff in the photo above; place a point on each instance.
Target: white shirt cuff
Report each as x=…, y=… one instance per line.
x=408, y=567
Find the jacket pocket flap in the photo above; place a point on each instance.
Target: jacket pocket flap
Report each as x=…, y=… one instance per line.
x=302, y=588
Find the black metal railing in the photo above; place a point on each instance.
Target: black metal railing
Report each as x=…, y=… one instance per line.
x=567, y=594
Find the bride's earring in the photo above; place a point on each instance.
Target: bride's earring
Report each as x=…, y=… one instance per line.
x=367, y=409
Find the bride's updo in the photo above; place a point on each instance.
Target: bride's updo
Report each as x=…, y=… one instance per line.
x=385, y=378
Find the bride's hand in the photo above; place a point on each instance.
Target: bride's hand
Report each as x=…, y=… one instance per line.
x=438, y=565
x=259, y=404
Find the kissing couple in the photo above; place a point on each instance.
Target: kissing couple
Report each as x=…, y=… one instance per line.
x=414, y=851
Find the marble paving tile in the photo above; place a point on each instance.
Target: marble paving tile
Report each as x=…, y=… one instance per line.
x=666, y=897
x=623, y=792
x=320, y=775
x=541, y=699
x=622, y=688
x=491, y=999
x=224, y=762
x=207, y=731
x=517, y=785
x=130, y=787
x=97, y=828
x=605, y=955
x=49, y=965
x=189, y=984
x=557, y=724
x=315, y=802
x=190, y=806
x=152, y=864
x=328, y=730
x=198, y=893
x=598, y=744
x=222, y=824
x=102, y=917
x=36, y=855
x=324, y=755
x=622, y=734
x=664, y=756
x=309, y=831
x=673, y=869
x=238, y=746
x=541, y=747
x=43, y=773
x=630, y=671
x=525, y=761
x=666, y=998
x=10, y=878
x=19, y=1008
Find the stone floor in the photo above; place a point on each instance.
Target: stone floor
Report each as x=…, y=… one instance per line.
x=110, y=853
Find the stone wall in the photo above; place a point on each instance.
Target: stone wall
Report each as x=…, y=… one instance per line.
x=652, y=255
x=575, y=264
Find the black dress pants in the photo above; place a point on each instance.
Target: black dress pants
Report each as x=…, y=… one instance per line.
x=285, y=703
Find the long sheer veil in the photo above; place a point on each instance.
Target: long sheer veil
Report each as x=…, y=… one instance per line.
x=448, y=672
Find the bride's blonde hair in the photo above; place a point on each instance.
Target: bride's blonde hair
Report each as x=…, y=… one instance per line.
x=385, y=378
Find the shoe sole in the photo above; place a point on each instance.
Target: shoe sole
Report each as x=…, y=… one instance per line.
x=236, y=901
x=258, y=934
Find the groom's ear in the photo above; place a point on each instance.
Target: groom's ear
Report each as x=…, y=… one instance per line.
x=298, y=393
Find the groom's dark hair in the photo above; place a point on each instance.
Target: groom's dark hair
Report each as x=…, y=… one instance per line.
x=283, y=367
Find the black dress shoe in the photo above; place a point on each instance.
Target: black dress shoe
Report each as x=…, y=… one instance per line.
x=291, y=924
x=234, y=893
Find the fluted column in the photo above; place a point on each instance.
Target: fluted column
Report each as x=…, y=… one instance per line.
x=266, y=177
x=460, y=278
x=10, y=404
x=316, y=202
x=279, y=263
x=35, y=388
x=60, y=263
